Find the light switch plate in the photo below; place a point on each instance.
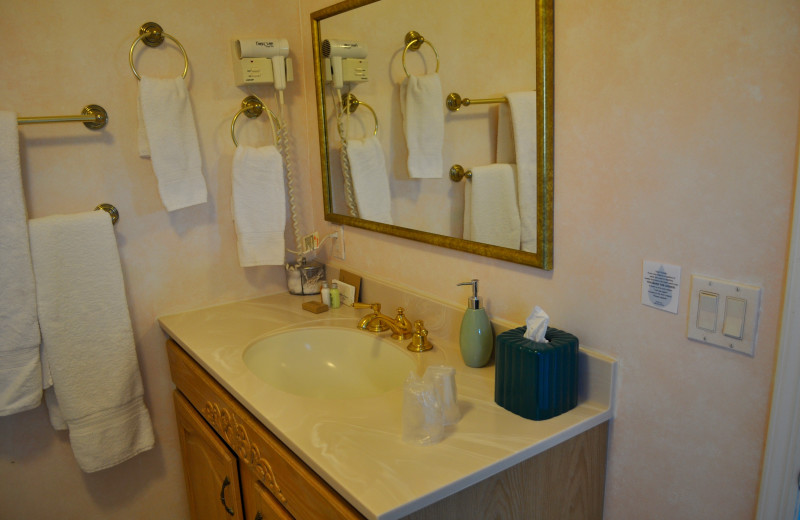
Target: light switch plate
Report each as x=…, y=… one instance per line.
x=726, y=291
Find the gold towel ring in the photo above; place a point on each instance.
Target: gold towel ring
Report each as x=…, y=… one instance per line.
x=350, y=103
x=152, y=35
x=252, y=107
x=110, y=209
x=414, y=41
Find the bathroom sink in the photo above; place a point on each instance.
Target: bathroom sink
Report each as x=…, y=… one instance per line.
x=329, y=362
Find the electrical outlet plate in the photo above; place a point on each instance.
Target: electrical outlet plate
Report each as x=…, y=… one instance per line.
x=311, y=242
x=725, y=303
x=338, y=244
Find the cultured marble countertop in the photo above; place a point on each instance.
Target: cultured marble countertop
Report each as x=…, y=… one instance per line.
x=356, y=444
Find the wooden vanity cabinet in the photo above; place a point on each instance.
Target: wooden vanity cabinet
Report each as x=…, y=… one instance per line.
x=210, y=468
x=566, y=482
x=275, y=482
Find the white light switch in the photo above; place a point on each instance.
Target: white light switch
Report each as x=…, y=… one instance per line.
x=724, y=313
x=707, y=311
x=735, y=310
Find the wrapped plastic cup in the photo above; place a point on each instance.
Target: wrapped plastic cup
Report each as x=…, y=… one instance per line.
x=423, y=422
x=443, y=379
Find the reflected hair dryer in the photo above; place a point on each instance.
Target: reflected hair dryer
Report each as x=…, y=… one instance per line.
x=338, y=49
x=276, y=49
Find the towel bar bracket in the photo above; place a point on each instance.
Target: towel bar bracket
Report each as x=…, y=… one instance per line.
x=151, y=34
x=457, y=173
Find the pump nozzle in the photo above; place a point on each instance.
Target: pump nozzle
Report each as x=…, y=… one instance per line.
x=473, y=302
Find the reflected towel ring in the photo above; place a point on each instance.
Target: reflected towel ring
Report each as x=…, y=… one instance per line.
x=349, y=105
x=152, y=35
x=414, y=41
x=252, y=107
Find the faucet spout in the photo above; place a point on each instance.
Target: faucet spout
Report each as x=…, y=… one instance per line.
x=376, y=322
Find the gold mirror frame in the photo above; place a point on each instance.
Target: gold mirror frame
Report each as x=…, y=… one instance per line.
x=543, y=258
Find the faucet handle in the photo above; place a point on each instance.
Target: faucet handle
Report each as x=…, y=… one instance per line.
x=376, y=307
x=419, y=341
x=403, y=325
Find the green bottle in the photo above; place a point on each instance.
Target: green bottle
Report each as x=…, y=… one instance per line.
x=476, y=331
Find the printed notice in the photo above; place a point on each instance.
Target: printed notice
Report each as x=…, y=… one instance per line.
x=661, y=286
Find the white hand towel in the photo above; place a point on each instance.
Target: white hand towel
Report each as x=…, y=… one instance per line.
x=505, y=136
x=370, y=180
x=492, y=207
x=259, y=205
x=523, y=116
x=169, y=125
x=87, y=340
x=20, y=372
x=422, y=105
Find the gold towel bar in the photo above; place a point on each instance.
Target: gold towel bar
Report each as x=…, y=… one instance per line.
x=454, y=101
x=111, y=210
x=93, y=117
x=153, y=35
x=457, y=173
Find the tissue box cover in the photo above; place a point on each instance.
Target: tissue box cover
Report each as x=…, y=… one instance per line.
x=536, y=380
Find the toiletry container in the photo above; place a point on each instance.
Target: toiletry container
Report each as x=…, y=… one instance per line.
x=325, y=292
x=334, y=295
x=476, y=332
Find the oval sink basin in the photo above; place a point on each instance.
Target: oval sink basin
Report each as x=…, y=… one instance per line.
x=329, y=363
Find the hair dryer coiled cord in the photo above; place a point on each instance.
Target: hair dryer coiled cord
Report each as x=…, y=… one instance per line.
x=284, y=145
x=343, y=155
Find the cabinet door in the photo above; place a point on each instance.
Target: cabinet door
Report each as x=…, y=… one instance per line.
x=210, y=468
x=259, y=502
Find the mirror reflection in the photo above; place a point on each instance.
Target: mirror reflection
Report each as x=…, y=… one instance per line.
x=392, y=151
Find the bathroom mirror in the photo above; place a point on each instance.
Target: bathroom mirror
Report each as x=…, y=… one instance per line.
x=481, y=51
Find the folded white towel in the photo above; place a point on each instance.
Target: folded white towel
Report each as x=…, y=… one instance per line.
x=20, y=372
x=523, y=116
x=490, y=211
x=422, y=105
x=87, y=341
x=370, y=180
x=259, y=205
x=505, y=136
x=166, y=113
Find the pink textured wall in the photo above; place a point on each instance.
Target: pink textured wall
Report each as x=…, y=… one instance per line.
x=675, y=141
x=57, y=57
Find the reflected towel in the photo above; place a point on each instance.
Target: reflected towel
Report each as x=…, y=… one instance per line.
x=20, y=372
x=370, y=180
x=423, y=125
x=259, y=205
x=166, y=114
x=523, y=116
x=490, y=210
x=87, y=341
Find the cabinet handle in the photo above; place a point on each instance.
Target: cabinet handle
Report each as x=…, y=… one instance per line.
x=225, y=483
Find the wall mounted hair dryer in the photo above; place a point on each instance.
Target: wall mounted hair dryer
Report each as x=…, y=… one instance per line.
x=274, y=49
x=337, y=51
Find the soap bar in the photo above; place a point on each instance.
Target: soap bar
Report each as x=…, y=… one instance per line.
x=315, y=307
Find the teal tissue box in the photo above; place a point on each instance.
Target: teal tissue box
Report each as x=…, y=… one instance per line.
x=536, y=380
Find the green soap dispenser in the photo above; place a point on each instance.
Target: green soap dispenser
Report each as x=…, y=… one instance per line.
x=476, y=331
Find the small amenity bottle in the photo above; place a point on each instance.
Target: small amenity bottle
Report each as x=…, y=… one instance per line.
x=476, y=337
x=335, y=301
x=326, y=294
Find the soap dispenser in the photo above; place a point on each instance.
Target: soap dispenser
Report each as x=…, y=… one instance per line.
x=476, y=331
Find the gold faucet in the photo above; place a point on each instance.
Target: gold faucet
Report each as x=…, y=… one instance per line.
x=376, y=322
